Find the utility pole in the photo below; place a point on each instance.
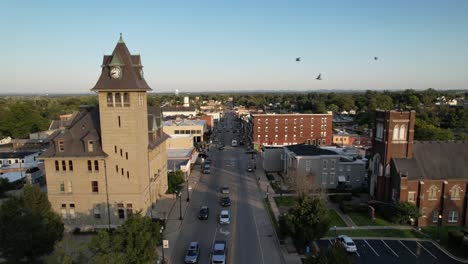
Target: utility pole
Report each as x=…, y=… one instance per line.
x=187, y=183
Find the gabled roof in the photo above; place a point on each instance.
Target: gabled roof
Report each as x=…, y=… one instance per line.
x=130, y=65
x=436, y=160
x=309, y=150
x=85, y=126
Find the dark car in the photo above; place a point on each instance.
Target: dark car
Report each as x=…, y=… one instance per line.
x=225, y=202
x=204, y=213
x=221, y=148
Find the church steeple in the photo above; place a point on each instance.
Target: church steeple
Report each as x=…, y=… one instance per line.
x=121, y=71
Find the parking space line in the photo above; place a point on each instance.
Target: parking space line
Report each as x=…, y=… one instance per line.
x=426, y=250
x=407, y=248
x=357, y=253
x=330, y=242
x=372, y=248
x=390, y=248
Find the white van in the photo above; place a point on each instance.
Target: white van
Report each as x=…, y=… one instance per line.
x=234, y=143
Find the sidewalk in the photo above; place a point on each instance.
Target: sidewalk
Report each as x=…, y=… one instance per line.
x=170, y=209
x=348, y=221
x=263, y=182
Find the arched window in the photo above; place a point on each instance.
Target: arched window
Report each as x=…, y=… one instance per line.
x=455, y=193
x=118, y=100
x=432, y=193
x=402, y=134
x=396, y=130
x=110, y=100
x=126, y=97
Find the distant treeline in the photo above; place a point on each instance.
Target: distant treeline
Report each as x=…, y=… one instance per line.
x=21, y=115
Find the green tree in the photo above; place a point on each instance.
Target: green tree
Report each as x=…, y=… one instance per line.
x=28, y=226
x=308, y=220
x=333, y=107
x=133, y=242
x=425, y=131
x=335, y=254
x=5, y=185
x=406, y=211
x=174, y=181
x=20, y=119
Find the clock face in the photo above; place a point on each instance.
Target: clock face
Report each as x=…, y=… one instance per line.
x=115, y=72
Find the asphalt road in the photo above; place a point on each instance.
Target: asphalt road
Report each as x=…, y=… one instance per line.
x=249, y=236
x=385, y=251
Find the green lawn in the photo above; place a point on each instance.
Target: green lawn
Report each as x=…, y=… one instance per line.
x=361, y=219
x=335, y=219
x=433, y=233
x=376, y=233
x=286, y=201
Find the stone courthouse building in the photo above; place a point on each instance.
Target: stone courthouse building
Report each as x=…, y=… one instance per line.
x=433, y=175
x=109, y=162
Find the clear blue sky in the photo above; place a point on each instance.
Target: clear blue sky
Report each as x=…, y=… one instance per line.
x=221, y=45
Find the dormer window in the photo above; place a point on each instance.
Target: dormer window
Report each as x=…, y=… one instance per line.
x=90, y=146
x=61, y=146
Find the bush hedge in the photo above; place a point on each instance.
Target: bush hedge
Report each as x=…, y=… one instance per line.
x=455, y=237
x=340, y=198
x=347, y=207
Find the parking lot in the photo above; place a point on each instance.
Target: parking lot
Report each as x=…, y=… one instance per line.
x=395, y=251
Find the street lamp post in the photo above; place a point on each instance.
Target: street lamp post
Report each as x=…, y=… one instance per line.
x=187, y=183
x=439, y=223
x=162, y=244
x=179, y=195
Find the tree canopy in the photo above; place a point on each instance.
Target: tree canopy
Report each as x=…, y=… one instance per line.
x=28, y=226
x=308, y=220
x=133, y=242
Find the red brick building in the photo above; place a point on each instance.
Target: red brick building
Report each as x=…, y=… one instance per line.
x=392, y=137
x=288, y=129
x=432, y=175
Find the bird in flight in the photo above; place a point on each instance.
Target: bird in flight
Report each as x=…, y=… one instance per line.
x=376, y=58
x=298, y=59
x=319, y=77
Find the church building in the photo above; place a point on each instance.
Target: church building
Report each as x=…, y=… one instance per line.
x=109, y=162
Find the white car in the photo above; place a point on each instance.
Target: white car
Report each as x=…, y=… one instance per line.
x=347, y=243
x=224, y=218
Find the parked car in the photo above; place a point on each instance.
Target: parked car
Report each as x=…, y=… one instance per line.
x=219, y=253
x=225, y=201
x=221, y=148
x=224, y=217
x=204, y=213
x=250, y=169
x=347, y=243
x=206, y=169
x=193, y=253
x=225, y=190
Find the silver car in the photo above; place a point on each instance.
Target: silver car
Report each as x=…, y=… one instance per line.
x=219, y=253
x=193, y=252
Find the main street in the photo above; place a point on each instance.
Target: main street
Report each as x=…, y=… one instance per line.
x=250, y=235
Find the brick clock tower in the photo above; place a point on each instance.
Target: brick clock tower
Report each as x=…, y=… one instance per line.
x=393, y=137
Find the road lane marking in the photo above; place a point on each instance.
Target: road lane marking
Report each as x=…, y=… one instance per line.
x=407, y=248
x=390, y=248
x=234, y=222
x=258, y=236
x=426, y=250
x=372, y=248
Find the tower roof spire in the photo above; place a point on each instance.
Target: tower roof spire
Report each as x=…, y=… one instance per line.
x=121, y=39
